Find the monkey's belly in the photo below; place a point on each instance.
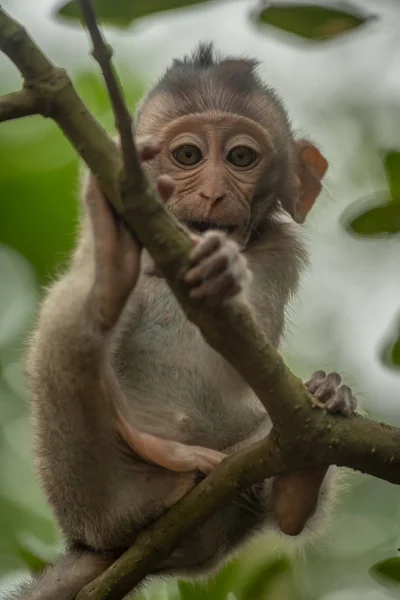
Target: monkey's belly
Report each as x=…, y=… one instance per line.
x=190, y=408
x=178, y=387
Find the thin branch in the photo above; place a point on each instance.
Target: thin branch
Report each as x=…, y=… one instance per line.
x=102, y=53
x=17, y=105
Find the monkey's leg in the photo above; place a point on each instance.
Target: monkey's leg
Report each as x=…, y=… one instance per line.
x=295, y=494
x=169, y=454
x=64, y=579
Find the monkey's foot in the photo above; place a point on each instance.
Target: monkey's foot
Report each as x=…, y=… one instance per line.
x=169, y=454
x=327, y=389
x=218, y=270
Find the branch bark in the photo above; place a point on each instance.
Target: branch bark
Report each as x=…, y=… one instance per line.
x=17, y=105
x=304, y=435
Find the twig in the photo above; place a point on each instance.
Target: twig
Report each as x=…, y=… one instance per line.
x=102, y=53
x=17, y=105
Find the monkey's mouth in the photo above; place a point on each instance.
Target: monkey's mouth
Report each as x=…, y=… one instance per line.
x=202, y=226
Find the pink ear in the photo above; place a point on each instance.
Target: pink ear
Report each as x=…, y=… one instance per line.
x=312, y=167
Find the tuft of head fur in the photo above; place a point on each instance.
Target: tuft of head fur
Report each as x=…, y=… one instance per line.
x=205, y=81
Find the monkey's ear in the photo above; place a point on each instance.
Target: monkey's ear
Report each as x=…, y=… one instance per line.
x=311, y=169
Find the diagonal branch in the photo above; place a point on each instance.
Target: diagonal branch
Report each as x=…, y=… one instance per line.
x=17, y=105
x=156, y=542
x=350, y=447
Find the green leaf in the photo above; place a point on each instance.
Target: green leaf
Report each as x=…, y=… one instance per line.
x=313, y=22
x=387, y=571
x=373, y=219
x=218, y=587
x=396, y=353
x=390, y=350
x=35, y=563
x=392, y=167
x=121, y=13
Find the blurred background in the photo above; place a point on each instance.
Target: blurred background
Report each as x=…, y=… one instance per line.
x=337, y=68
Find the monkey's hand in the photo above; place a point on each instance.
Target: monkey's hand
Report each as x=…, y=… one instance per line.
x=327, y=390
x=117, y=254
x=295, y=494
x=218, y=271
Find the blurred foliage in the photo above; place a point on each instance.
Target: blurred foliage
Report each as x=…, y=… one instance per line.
x=38, y=179
x=383, y=218
x=122, y=13
x=391, y=163
x=307, y=21
x=390, y=349
x=378, y=220
x=313, y=22
x=387, y=571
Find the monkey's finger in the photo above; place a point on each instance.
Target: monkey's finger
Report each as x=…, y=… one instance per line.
x=148, y=148
x=342, y=402
x=328, y=387
x=214, y=265
x=165, y=187
x=315, y=380
x=217, y=290
x=211, y=241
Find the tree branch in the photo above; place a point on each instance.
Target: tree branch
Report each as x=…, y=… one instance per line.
x=156, y=542
x=17, y=105
x=102, y=53
x=303, y=434
x=350, y=445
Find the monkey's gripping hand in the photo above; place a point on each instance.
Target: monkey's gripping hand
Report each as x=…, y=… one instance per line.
x=295, y=495
x=117, y=254
x=335, y=397
x=218, y=271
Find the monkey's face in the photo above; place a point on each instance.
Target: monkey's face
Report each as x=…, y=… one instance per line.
x=216, y=161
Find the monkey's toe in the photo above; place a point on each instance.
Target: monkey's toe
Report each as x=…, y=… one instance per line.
x=327, y=389
x=342, y=402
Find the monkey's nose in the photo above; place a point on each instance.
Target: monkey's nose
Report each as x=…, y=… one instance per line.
x=212, y=198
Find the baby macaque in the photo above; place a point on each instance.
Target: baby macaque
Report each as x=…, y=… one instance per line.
x=129, y=402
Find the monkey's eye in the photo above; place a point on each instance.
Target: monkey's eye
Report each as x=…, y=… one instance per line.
x=187, y=155
x=242, y=156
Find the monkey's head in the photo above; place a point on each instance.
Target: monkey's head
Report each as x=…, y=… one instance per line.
x=227, y=143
